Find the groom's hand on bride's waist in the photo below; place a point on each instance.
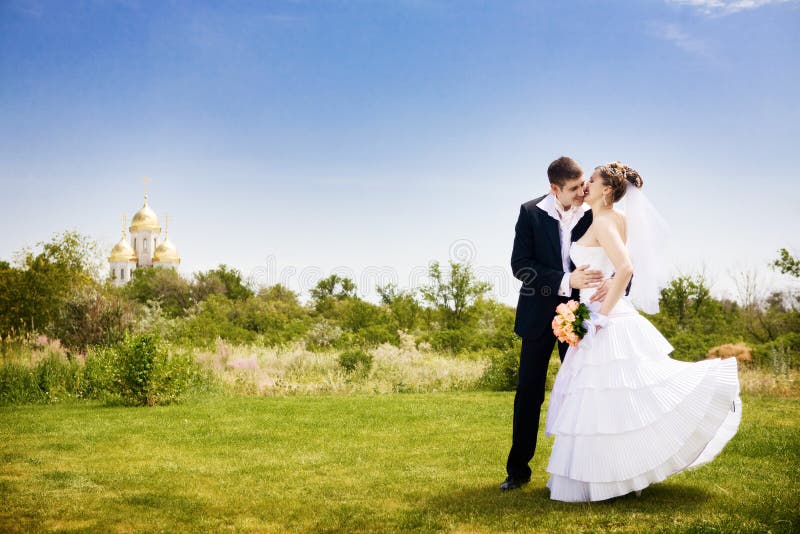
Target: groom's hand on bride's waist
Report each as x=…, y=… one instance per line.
x=583, y=278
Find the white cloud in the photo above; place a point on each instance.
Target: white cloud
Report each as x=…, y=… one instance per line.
x=676, y=35
x=726, y=7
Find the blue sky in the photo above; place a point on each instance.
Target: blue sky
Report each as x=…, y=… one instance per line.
x=293, y=139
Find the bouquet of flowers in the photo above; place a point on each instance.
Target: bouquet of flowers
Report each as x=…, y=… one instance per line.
x=569, y=324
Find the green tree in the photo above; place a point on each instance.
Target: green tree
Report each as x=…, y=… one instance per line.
x=360, y=323
x=162, y=285
x=221, y=281
x=279, y=294
x=276, y=314
x=786, y=263
x=494, y=324
x=215, y=317
x=453, y=294
x=685, y=298
x=694, y=321
x=13, y=312
x=330, y=289
x=93, y=315
x=369, y=324
x=33, y=292
x=74, y=253
x=402, y=305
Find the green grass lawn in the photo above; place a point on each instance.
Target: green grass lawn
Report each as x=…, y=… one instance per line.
x=417, y=462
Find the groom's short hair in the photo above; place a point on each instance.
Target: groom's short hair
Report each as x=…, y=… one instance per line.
x=563, y=169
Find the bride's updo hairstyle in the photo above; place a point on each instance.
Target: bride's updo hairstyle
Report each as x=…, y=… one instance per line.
x=617, y=175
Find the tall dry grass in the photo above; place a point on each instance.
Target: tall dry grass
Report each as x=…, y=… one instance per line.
x=295, y=370
x=765, y=382
x=253, y=370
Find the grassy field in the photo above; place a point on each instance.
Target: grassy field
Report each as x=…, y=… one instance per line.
x=401, y=462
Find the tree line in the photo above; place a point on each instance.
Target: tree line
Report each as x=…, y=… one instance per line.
x=57, y=291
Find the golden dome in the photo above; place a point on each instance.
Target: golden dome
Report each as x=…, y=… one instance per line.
x=166, y=252
x=122, y=251
x=145, y=219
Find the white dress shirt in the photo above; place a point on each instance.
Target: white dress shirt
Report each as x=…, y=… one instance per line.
x=567, y=219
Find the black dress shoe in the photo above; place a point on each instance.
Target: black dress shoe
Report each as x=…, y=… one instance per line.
x=513, y=483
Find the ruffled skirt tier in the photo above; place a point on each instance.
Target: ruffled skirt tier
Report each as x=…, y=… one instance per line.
x=625, y=415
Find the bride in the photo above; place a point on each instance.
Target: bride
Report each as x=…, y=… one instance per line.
x=623, y=413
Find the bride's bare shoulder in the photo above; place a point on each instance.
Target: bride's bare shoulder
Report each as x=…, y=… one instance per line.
x=610, y=217
x=617, y=217
x=612, y=221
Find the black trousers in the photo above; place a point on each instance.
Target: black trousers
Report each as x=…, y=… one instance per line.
x=533, y=361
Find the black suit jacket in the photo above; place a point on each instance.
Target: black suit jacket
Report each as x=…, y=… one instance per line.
x=536, y=261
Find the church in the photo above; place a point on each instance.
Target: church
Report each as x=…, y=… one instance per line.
x=143, y=249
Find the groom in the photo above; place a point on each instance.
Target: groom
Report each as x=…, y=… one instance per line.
x=540, y=259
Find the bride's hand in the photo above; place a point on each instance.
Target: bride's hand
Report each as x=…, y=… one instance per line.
x=601, y=292
x=599, y=321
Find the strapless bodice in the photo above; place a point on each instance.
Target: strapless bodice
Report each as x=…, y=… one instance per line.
x=597, y=259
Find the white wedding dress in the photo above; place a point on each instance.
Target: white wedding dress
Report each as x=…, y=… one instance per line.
x=626, y=415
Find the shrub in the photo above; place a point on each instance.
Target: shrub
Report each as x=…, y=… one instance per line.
x=177, y=375
x=136, y=358
x=100, y=372
x=52, y=378
x=453, y=340
x=362, y=324
x=376, y=334
x=693, y=346
x=18, y=385
x=322, y=335
x=91, y=316
x=215, y=317
x=151, y=319
x=275, y=314
x=781, y=360
x=146, y=374
x=495, y=325
x=356, y=360
x=740, y=351
x=782, y=352
x=58, y=378
x=502, y=374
